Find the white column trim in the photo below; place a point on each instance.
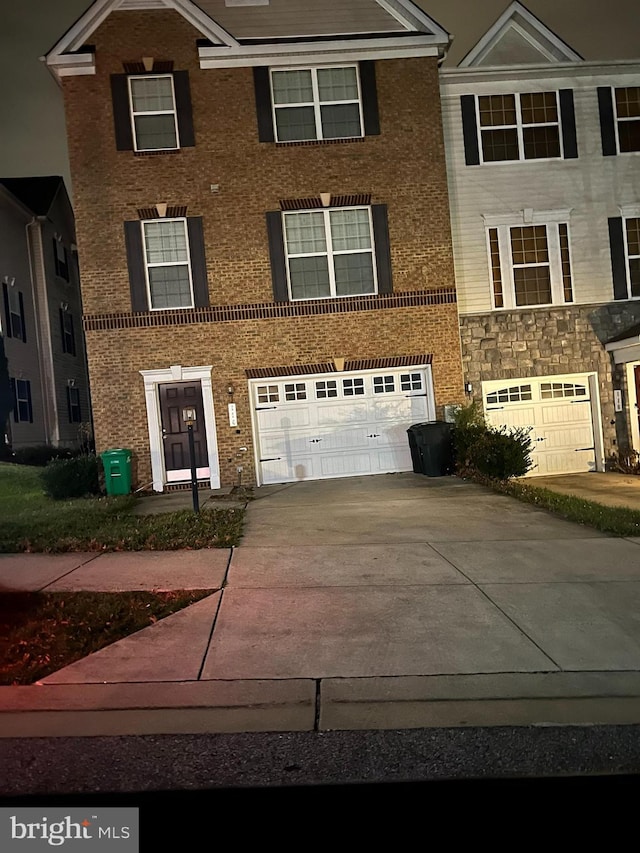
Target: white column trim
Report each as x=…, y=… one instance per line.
x=153, y=378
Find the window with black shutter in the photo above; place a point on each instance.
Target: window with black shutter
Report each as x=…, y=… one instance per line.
x=22, y=406
x=73, y=405
x=624, y=241
x=329, y=252
x=167, y=263
x=315, y=104
x=14, y=312
x=61, y=259
x=67, y=331
x=152, y=112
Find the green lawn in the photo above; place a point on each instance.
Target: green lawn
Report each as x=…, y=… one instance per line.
x=32, y=522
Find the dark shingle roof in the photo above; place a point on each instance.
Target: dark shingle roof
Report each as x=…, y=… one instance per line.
x=633, y=332
x=35, y=193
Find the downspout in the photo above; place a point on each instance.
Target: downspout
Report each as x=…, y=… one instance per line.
x=43, y=335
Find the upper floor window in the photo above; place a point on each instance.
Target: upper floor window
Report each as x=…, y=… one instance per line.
x=519, y=126
x=619, y=119
x=330, y=253
x=22, y=406
x=67, y=332
x=15, y=325
x=530, y=265
x=167, y=264
x=152, y=112
x=60, y=259
x=316, y=103
x=74, y=409
x=624, y=241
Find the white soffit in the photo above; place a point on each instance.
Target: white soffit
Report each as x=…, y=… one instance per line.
x=519, y=38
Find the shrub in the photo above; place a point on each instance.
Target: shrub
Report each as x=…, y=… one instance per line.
x=40, y=454
x=72, y=478
x=469, y=426
x=624, y=462
x=500, y=454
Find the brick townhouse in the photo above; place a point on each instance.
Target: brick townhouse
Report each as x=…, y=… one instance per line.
x=263, y=230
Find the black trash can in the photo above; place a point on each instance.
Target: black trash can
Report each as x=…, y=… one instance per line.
x=431, y=446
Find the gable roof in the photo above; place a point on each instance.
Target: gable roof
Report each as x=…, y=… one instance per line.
x=242, y=36
x=518, y=37
x=37, y=194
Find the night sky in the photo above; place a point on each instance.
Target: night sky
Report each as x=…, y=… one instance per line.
x=32, y=135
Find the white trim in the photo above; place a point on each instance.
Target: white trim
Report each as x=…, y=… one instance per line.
x=176, y=373
x=508, y=20
x=633, y=404
x=408, y=13
x=133, y=113
x=630, y=211
x=528, y=217
x=316, y=53
x=187, y=263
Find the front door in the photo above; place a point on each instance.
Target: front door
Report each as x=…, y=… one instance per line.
x=174, y=397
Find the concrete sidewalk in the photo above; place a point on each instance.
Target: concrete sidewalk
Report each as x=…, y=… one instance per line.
x=373, y=602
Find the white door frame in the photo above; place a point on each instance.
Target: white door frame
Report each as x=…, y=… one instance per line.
x=633, y=401
x=177, y=373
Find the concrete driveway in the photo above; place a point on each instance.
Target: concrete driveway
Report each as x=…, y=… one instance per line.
x=391, y=601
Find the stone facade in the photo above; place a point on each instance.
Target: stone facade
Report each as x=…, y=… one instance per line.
x=553, y=341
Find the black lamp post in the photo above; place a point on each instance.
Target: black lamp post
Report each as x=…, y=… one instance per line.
x=189, y=416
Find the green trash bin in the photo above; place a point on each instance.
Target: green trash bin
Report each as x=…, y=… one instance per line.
x=117, y=471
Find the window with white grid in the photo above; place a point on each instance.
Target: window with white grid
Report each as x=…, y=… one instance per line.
x=627, y=107
x=330, y=253
x=519, y=127
x=316, y=103
x=167, y=263
x=153, y=113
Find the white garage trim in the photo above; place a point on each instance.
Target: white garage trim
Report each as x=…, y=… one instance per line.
x=563, y=410
x=177, y=373
x=337, y=424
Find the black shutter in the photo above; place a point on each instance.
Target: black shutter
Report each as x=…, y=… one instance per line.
x=121, y=115
x=62, y=334
x=12, y=383
x=568, y=123
x=72, y=342
x=278, y=259
x=7, y=312
x=262, y=87
x=618, y=259
x=135, y=263
x=369, y=98
x=22, y=317
x=28, y=384
x=470, y=130
x=184, y=109
x=607, y=122
x=383, y=253
x=198, y=262
x=55, y=255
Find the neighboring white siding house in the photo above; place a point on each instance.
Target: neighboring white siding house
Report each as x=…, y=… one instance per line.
x=543, y=153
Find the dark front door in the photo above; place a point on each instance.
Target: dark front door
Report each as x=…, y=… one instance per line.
x=174, y=398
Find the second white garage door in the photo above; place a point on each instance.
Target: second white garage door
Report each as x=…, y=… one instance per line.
x=558, y=409
x=338, y=424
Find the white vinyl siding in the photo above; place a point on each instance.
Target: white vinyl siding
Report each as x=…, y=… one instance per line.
x=592, y=187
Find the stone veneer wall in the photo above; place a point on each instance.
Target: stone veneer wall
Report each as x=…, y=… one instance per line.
x=552, y=341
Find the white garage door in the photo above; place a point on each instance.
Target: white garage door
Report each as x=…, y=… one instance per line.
x=338, y=424
x=558, y=411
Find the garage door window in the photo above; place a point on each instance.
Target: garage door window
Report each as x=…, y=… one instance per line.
x=384, y=384
x=514, y=394
x=326, y=388
x=295, y=391
x=555, y=390
x=353, y=387
x=411, y=382
x=268, y=394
